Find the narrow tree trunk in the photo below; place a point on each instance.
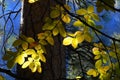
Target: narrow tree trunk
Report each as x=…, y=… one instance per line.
x=54, y=68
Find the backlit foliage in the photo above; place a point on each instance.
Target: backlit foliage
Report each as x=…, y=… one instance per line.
x=30, y=53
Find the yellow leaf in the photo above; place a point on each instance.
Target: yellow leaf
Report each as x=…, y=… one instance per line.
x=50, y=40
x=20, y=59
x=55, y=31
x=87, y=17
x=29, y=51
x=80, y=38
x=67, y=7
x=77, y=23
x=88, y=37
x=96, y=51
x=92, y=72
x=66, y=18
x=90, y=9
x=61, y=30
x=39, y=69
x=81, y=12
x=30, y=40
x=33, y=67
x=75, y=43
x=98, y=63
x=42, y=57
x=48, y=26
x=41, y=36
x=1, y=77
x=38, y=47
x=54, y=13
x=67, y=41
x=32, y=1
x=43, y=42
x=26, y=64
x=25, y=45
x=103, y=69
x=95, y=16
x=97, y=57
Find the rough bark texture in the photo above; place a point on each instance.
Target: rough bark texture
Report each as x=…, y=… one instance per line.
x=54, y=68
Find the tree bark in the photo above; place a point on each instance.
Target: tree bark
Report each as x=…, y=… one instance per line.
x=54, y=68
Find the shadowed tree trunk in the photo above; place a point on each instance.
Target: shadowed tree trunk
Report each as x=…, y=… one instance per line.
x=54, y=68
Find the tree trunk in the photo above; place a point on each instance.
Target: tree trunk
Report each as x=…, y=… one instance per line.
x=54, y=68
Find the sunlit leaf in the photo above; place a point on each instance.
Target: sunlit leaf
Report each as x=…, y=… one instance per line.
x=29, y=51
x=80, y=38
x=54, y=13
x=38, y=47
x=77, y=23
x=26, y=64
x=97, y=57
x=103, y=69
x=98, y=63
x=92, y=72
x=33, y=67
x=20, y=59
x=87, y=17
x=90, y=9
x=96, y=51
x=67, y=41
x=55, y=31
x=66, y=18
x=75, y=43
x=39, y=69
x=81, y=12
x=42, y=57
x=24, y=45
x=32, y=1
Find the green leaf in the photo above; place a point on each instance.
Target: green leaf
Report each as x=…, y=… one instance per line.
x=98, y=63
x=26, y=64
x=55, y=13
x=25, y=45
x=67, y=41
x=43, y=42
x=81, y=12
x=11, y=63
x=29, y=52
x=75, y=43
x=90, y=9
x=55, y=31
x=50, y=40
x=92, y=72
x=17, y=42
x=77, y=23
